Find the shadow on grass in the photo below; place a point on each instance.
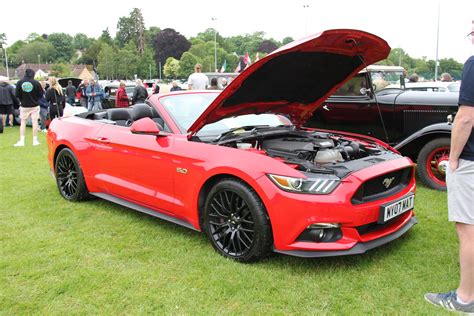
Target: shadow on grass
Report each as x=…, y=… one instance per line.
x=274, y=261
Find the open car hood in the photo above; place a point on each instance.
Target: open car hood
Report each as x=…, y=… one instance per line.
x=297, y=78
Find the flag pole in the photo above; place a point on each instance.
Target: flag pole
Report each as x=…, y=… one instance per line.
x=437, y=46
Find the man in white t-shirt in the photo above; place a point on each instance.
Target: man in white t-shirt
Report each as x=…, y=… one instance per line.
x=198, y=80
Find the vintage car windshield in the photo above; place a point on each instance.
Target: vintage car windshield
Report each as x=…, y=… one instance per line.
x=381, y=79
x=186, y=108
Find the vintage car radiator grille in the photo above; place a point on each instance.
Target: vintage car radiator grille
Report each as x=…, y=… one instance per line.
x=383, y=186
x=414, y=120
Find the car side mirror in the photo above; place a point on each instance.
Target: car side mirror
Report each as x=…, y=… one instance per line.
x=145, y=126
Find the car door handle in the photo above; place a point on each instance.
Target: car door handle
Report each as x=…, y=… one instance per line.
x=102, y=140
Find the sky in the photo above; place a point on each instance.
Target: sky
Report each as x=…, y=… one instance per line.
x=411, y=25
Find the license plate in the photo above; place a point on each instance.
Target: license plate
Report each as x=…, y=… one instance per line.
x=394, y=209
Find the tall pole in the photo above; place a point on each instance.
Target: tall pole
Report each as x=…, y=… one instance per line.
x=159, y=66
x=149, y=71
x=437, y=45
x=6, y=62
x=215, y=44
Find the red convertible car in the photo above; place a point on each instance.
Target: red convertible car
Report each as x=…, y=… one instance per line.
x=239, y=166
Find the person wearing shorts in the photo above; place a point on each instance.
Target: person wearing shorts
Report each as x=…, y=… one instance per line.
x=460, y=184
x=29, y=91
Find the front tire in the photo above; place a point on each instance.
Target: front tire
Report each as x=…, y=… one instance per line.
x=69, y=176
x=432, y=163
x=236, y=222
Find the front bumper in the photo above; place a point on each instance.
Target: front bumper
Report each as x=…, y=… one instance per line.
x=290, y=214
x=357, y=249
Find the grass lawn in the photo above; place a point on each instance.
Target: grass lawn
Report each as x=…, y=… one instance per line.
x=58, y=257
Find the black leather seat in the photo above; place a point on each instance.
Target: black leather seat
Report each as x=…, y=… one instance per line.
x=140, y=111
x=156, y=118
x=120, y=115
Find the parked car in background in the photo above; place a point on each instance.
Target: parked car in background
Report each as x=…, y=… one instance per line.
x=413, y=122
x=431, y=86
x=111, y=89
x=233, y=165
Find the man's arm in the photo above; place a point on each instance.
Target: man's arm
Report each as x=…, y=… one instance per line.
x=462, y=128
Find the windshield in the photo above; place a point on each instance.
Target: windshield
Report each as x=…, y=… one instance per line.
x=186, y=108
x=381, y=79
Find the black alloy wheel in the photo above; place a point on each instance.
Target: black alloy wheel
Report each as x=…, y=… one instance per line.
x=69, y=177
x=236, y=222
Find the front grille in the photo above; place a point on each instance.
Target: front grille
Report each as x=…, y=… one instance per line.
x=383, y=186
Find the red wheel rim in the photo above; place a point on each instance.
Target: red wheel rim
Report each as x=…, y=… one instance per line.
x=437, y=156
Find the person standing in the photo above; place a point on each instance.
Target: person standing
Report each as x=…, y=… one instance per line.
x=460, y=184
x=198, y=80
x=55, y=97
x=121, y=97
x=95, y=94
x=70, y=93
x=44, y=109
x=175, y=87
x=28, y=90
x=82, y=89
x=139, y=93
x=7, y=102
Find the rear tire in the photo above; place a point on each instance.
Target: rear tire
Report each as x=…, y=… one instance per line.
x=69, y=176
x=236, y=222
x=432, y=160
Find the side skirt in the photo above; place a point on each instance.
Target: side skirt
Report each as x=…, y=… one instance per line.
x=143, y=209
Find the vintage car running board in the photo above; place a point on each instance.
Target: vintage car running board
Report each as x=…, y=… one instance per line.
x=143, y=209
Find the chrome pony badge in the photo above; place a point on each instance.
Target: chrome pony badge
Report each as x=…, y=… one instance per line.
x=387, y=182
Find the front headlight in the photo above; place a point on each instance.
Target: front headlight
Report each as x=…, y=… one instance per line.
x=320, y=184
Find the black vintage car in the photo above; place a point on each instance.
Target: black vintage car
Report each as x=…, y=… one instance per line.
x=413, y=122
x=110, y=90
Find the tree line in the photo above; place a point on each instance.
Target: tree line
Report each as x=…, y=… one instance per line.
x=153, y=52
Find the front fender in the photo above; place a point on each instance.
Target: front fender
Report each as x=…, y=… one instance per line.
x=438, y=128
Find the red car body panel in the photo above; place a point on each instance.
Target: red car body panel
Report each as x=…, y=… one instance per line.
x=167, y=173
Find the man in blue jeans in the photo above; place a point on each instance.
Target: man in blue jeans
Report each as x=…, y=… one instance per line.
x=95, y=93
x=460, y=184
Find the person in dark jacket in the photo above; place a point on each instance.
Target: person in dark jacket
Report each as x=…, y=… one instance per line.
x=70, y=93
x=29, y=91
x=7, y=102
x=175, y=87
x=139, y=93
x=55, y=97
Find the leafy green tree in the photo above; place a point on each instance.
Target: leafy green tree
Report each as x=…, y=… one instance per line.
x=451, y=66
x=64, y=45
x=287, y=40
x=186, y=64
x=81, y=41
x=29, y=52
x=267, y=46
x=150, y=35
x=171, y=68
x=169, y=43
x=127, y=59
x=3, y=40
x=146, y=66
x=90, y=56
x=132, y=28
x=107, y=62
x=106, y=38
x=61, y=70
x=34, y=37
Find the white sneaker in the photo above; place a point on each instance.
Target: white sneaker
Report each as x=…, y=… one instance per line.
x=44, y=130
x=19, y=144
x=36, y=143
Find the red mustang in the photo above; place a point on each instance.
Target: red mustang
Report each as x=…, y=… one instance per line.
x=239, y=166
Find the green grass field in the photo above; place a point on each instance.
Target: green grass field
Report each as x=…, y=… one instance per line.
x=95, y=257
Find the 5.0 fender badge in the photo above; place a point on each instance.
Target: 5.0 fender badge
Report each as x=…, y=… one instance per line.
x=182, y=170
